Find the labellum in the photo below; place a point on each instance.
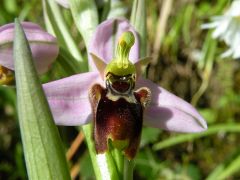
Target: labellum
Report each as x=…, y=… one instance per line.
x=118, y=108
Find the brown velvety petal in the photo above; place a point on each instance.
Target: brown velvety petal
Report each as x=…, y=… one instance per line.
x=95, y=93
x=144, y=95
x=118, y=121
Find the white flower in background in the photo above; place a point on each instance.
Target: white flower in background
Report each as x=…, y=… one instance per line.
x=227, y=28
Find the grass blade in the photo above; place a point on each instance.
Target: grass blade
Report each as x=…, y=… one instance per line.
x=189, y=137
x=138, y=20
x=85, y=17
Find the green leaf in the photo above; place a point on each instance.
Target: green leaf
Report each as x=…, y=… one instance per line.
x=138, y=20
x=86, y=168
x=87, y=130
x=227, y=168
x=117, y=9
x=103, y=164
x=231, y=169
x=44, y=155
x=149, y=135
x=106, y=9
x=55, y=23
x=233, y=127
x=68, y=62
x=85, y=17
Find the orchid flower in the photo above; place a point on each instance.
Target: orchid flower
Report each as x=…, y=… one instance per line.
x=116, y=68
x=43, y=46
x=69, y=97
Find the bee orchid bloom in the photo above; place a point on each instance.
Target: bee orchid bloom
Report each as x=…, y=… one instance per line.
x=43, y=46
x=116, y=70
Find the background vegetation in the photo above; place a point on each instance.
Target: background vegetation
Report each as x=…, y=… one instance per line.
x=186, y=61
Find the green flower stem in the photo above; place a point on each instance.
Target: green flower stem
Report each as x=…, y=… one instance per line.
x=128, y=169
x=108, y=166
x=103, y=164
x=118, y=158
x=87, y=130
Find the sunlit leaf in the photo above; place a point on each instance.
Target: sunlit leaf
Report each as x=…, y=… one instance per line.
x=227, y=168
x=55, y=22
x=138, y=20
x=85, y=17
x=44, y=155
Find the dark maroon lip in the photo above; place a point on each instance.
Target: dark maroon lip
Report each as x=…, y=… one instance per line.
x=121, y=86
x=116, y=120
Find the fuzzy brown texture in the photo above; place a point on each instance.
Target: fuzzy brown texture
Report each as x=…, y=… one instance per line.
x=117, y=120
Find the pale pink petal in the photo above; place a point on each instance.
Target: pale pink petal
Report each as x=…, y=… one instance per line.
x=68, y=98
x=171, y=119
x=105, y=40
x=170, y=112
x=43, y=46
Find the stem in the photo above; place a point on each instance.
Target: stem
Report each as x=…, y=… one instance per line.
x=207, y=71
x=105, y=166
x=128, y=169
x=87, y=130
x=118, y=159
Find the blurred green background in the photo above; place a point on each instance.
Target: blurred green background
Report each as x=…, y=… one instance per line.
x=187, y=62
